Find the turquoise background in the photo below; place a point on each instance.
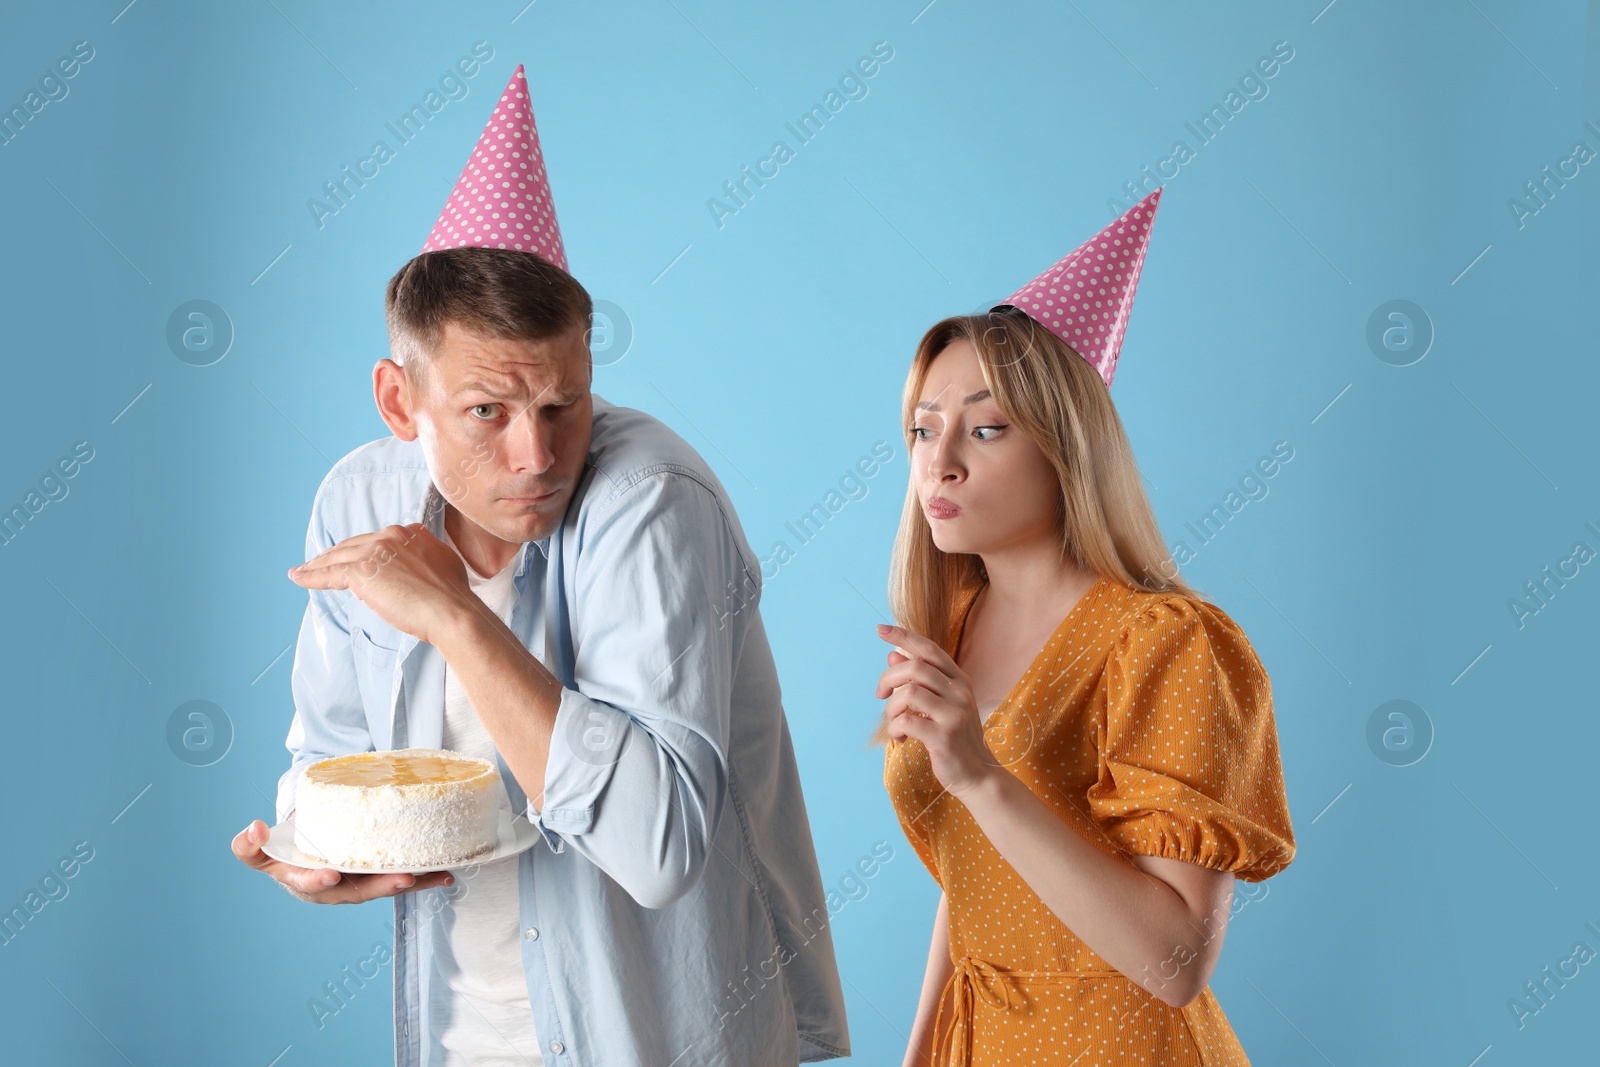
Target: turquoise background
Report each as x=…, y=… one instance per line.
x=1433, y=879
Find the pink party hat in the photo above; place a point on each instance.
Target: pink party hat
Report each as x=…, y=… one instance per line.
x=1086, y=297
x=502, y=199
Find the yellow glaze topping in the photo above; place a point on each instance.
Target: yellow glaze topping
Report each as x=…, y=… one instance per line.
x=399, y=767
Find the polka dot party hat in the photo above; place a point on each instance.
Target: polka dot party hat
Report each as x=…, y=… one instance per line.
x=1086, y=297
x=502, y=199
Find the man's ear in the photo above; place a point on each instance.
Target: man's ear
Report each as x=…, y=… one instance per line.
x=396, y=400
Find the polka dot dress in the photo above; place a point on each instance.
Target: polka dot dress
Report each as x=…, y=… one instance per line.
x=1086, y=298
x=502, y=199
x=1146, y=724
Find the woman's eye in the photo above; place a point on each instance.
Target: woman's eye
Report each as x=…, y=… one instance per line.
x=980, y=429
x=918, y=431
x=476, y=408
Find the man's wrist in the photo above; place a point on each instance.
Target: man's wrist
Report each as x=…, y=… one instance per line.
x=462, y=622
x=473, y=625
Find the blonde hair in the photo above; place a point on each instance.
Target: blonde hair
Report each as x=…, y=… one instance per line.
x=1060, y=401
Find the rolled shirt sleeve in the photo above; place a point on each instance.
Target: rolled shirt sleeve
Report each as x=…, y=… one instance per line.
x=637, y=775
x=329, y=716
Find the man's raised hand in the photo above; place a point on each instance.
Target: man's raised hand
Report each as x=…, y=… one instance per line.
x=413, y=580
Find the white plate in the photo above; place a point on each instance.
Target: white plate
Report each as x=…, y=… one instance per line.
x=515, y=834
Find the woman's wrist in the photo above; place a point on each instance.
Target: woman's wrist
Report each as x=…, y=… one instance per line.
x=986, y=789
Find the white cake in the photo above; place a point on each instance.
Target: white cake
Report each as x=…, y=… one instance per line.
x=410, y=807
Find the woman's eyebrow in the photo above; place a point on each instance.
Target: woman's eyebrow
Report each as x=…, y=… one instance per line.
x=981, y=394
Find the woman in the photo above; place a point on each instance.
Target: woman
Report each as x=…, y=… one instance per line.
x=1081, y=749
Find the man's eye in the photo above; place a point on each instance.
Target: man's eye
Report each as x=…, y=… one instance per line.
x=476, y=408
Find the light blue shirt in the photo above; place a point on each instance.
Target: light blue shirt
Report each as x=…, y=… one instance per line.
x=674, y=911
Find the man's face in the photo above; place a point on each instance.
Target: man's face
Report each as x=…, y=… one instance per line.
x=504, y=425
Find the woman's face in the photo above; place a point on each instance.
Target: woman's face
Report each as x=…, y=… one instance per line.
x=1000, y=489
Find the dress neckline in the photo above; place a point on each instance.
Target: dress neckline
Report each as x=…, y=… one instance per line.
x=1049, y=645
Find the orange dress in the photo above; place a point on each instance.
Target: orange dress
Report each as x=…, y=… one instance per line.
x=1146, y=724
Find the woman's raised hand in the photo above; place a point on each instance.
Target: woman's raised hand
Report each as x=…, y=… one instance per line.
x=930, y=699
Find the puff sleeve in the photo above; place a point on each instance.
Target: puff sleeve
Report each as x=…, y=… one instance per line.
x=1189, y=767
x=916, y=832
x=908, y=778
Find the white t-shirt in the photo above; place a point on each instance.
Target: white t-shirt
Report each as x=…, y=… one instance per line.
x=478, y=1001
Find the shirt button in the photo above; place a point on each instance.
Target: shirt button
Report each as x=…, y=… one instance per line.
x=531, y=934
x=557, y=1048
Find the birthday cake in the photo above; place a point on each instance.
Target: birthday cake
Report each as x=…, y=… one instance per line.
x=411, y=807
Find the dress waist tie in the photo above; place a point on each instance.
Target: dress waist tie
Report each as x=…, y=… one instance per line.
x=972, y=978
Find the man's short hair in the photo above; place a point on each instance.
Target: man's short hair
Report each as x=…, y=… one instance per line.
x=492, y=292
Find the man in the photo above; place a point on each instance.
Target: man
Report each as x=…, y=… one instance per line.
x=527, y=572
